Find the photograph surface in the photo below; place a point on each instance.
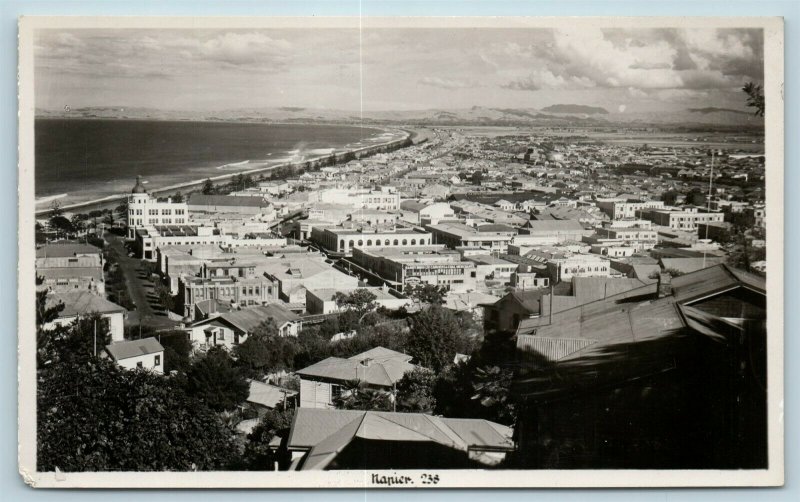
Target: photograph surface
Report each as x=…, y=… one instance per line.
x=400, y=252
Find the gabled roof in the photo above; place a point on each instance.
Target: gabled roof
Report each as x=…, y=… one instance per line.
x=134, y=348
x=378, y=367
x=328, y=432
x=246, y=320
x=554, y=225
x=82, y=303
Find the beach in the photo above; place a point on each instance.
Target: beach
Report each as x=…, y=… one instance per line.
x=299, y=157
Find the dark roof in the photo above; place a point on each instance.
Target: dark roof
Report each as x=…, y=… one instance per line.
x=82, y=303
x=328, y=432
x=198, y=199
x=138, y=187
x=65, y=249
x=385, y=367
x=134, y=348
x=247, y=319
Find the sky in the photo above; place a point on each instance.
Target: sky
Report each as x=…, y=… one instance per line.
x=634, y=70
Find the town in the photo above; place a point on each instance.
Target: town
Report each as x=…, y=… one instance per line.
x=493, y=298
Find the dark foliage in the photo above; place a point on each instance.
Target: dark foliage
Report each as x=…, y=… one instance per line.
x=214, y=379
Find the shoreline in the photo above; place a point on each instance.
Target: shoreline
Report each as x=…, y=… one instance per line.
x=111, y=200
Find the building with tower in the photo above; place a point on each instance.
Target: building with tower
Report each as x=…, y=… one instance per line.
x=147, y=211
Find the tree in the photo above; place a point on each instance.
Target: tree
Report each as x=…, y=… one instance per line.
x=669, y=197
x=55, y=209
x=427, y=293
x=415, y=391
x=492, y=386
x=258, y=455
x=177, y=350
x=266, y=350
x=178, y=197
x=95, y=416
x=208, y=187
x=45, y=313
x=357, y=396
x=61, y=225
x=434, y=338
x=361, y=301
x=755, y=98
x=215, y=380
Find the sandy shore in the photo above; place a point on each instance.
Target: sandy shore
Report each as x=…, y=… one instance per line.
x=399, y=135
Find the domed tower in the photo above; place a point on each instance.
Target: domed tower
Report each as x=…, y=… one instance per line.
x=137, y=202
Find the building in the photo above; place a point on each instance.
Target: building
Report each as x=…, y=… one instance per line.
x=614, y=383
x=622, y=209
x=201, y=203
x=637, y=238
x=83, y=303
x=544, y=232
x=265, y=396
x=69, y=267
x=231, y=281
x=406, y=266
x=493, y=238
x=343, y=240
x=423, y=213
x=321, y=301
x=322, y=439
x=564, y=265
x=232, y=328
x=686, y=219
x=324, y=382
x=146, y=353
x=295, y=275
x=146, y=211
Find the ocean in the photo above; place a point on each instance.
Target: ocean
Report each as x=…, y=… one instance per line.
x=78, y=160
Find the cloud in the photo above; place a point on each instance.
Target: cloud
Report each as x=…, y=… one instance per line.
x=545, y=79
x=444, y=83
x=642, y=59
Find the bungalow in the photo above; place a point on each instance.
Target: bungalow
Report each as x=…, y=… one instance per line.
x=83, y=303
x=146, y=353
x=352, y=439
x=232, y=328
x=323, y=382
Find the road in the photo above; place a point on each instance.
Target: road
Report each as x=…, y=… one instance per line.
x=140, y=288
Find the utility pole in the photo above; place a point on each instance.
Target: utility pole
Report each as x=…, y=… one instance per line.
x=95, y=338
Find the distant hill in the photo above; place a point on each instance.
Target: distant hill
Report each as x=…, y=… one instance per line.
x=712, y=109
x=579, y=109
x=552, y=116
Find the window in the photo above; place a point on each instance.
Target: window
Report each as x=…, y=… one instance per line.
x=336, y=391
x=166, y=212
x=396, y=242
x=369, y=242
x=158, y=359
x=405, y=242
x=221, y=335
x=413, y=242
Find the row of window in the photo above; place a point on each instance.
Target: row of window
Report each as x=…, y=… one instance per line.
x=387, y=242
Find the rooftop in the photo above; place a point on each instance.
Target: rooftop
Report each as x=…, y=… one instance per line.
x=134, y=348
x=379, y=367
x=81, y=303
x=66, y=249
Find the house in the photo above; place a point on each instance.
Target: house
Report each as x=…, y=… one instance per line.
x=82, y=303
x=232, y=328
x=265, y=396
x=323, y=439
x=146, y=353
x=673, y=378
x=323, y=382
x=422, y=213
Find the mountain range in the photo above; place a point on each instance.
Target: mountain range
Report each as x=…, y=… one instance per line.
x=555, y=115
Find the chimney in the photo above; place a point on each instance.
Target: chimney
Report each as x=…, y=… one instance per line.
x=664, y=285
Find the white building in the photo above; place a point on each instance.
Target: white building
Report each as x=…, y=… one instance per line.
x=146, y=353
x=146, y=211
